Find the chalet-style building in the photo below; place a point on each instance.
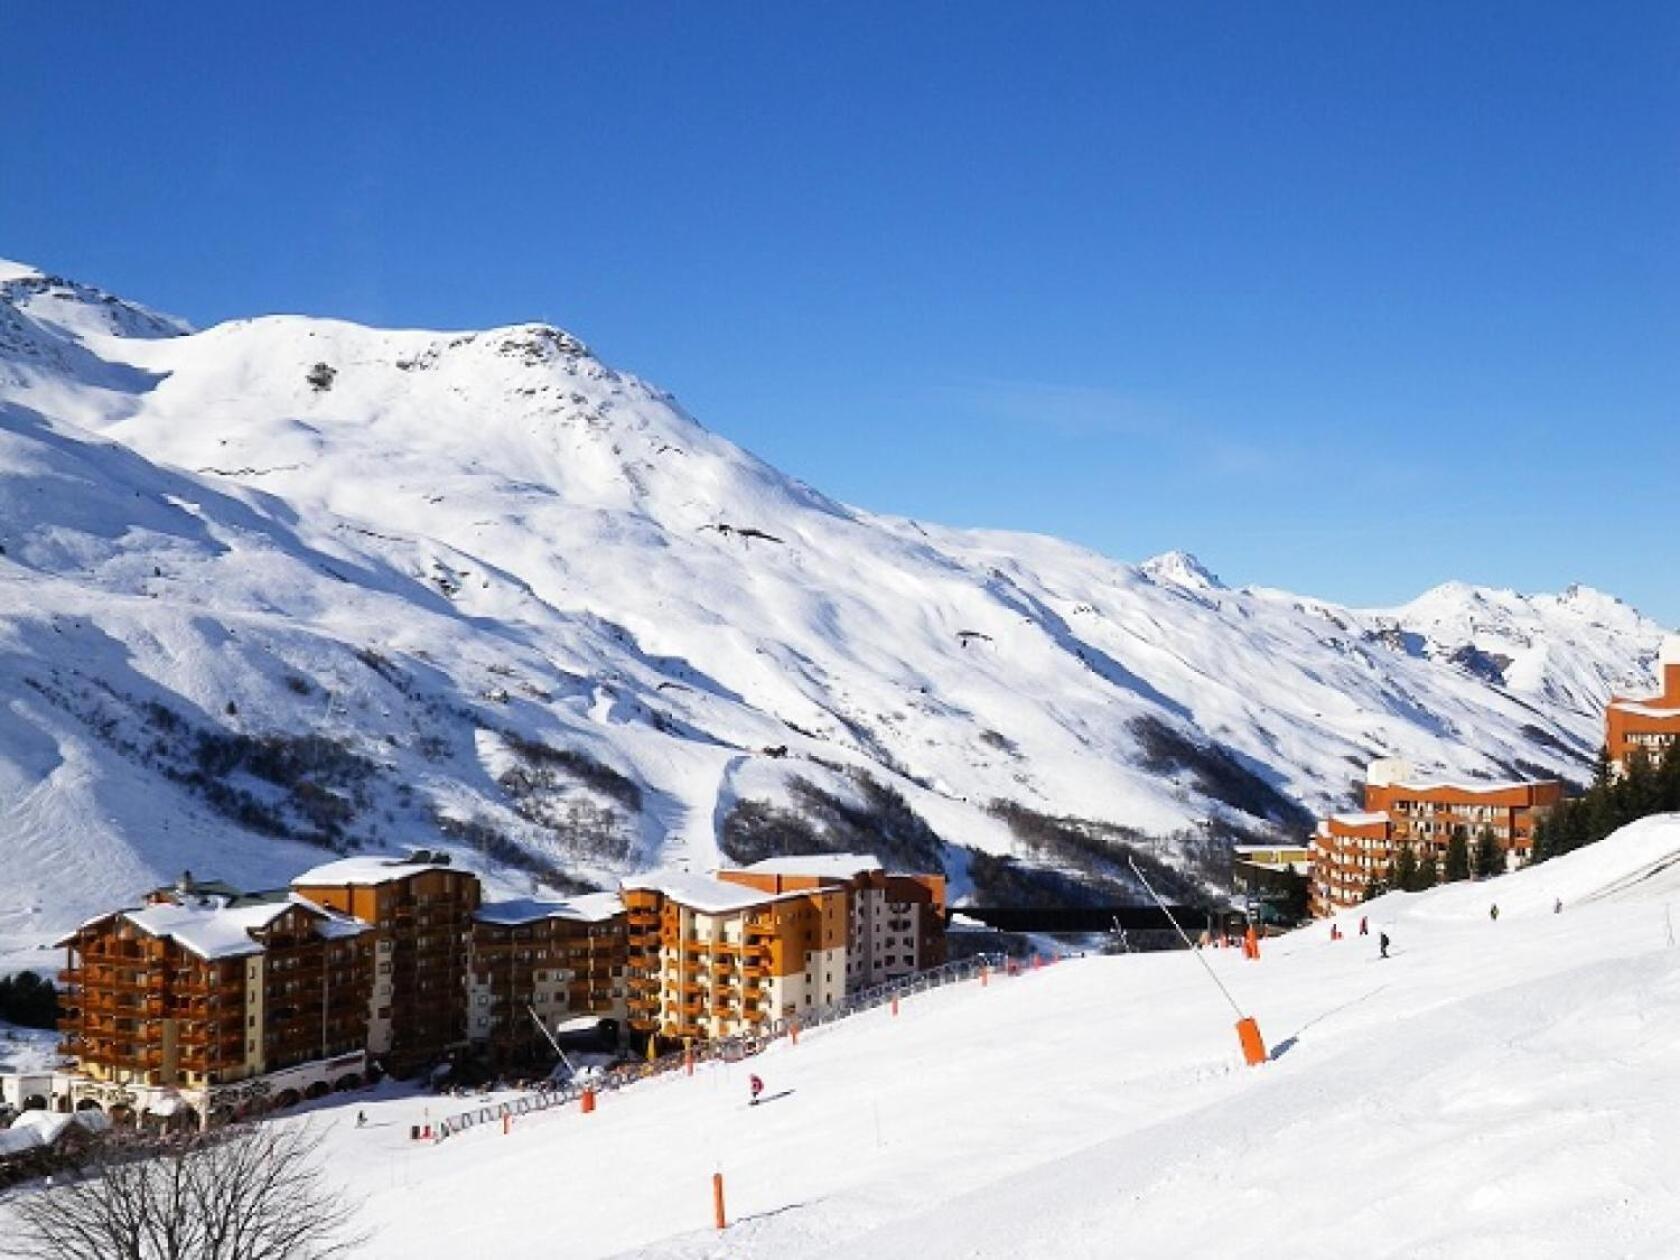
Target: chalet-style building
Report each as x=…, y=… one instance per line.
x=197, y=990
x=553, y=961
x=421, y=910
x=1353, y=851
x=1652, y=723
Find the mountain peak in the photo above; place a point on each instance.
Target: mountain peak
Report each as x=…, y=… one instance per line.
x=1180, y=568
x=80, y=310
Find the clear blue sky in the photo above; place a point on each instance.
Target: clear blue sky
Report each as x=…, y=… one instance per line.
x=1348, y=298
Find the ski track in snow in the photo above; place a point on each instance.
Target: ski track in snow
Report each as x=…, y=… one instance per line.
x=1496, y=1089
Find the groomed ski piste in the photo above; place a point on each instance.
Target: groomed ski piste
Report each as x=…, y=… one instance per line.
x=1493, y=1089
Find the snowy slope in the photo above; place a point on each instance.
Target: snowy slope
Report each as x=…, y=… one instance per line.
x=1493, y=1089
x=292, y=581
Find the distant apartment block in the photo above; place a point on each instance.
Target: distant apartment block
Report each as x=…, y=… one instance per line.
x=421, y=910
x=1352, y=851
x=548, y=961
x=202, y=987
x=1650, y=724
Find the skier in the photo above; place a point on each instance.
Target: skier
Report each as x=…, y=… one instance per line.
x=1493, y=912
x=1335, y=932
x=756, y=1084
x=1557, y=906
x=1382, y=943
x=361, y=1119
x=1364, y=926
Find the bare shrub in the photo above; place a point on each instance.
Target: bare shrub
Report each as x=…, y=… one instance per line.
x=254, y=1192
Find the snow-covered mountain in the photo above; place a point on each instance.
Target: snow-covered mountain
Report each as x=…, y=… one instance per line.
x=293, y=582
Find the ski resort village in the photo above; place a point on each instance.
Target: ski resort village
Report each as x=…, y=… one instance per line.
x=437, y=771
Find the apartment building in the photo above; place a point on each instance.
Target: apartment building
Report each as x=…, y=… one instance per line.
x=895, y=924
x=710, y=958
x=201, y=988
x=553, y=961
x=1652, y=723
x=421, y=910
x=1351, y=851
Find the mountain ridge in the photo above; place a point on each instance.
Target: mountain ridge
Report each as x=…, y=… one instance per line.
x=547, y=618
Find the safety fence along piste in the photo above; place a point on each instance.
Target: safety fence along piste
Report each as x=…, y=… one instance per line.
x=724, y=1049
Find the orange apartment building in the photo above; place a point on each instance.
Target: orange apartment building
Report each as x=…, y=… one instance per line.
x=168, y=1004
x=1650, y=724
x=558, y=960
x=895, y=924
x=709, y=958
x=716, y=957
x=1352, y=851
x=421, y=910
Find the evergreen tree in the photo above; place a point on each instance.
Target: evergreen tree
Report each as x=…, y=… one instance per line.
x=1428, y=870
x=1458, y=856
x=1489, y=858
x=1405, y=869
x=1373, y=889
x=1602, y=768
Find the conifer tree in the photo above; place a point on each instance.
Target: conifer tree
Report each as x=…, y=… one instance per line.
x=1489, y=858
x=1405, y=869
x=1428, y=870
x=1458, y=856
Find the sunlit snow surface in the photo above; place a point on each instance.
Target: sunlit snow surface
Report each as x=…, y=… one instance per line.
x=1493, y=1089
x=466, y=534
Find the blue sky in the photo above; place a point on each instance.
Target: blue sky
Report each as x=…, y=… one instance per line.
x=1346, y=298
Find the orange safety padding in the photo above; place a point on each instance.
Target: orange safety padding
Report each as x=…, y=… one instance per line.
x=1253, y=1048
x=588, y=1101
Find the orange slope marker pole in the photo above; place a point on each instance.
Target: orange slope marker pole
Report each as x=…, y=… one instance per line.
x=1248, y=1031
x=718, y=1217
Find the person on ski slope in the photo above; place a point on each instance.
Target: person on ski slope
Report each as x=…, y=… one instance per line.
x=1382, y=943
x=756, y=1084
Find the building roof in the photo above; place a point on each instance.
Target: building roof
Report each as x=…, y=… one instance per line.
x=822, y=865
x=370, y=869
x=216, y=927
x=1642, y=708
x=1363, y=818
x=588, y=908
x=1478, y=789
x=699, y=892
x=1271, y=848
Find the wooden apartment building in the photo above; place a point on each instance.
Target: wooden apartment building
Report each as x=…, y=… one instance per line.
x=553, y=961
x=1351, y=852
x=198, y=989
x=421, y=910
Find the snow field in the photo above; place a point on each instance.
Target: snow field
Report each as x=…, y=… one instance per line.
x=1493, y=1089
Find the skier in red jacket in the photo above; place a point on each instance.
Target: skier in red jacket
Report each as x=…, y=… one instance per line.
x=757, y=1086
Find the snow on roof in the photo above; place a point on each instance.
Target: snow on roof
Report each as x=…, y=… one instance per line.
x=1480, y=789
x=1361, y=819
x=832, y=865
x=212, y=928
x=18, y=1139
x=698, y=892
x=1669, y=652
x=1270, y=848
x=1640, y=708
x=588, y=908
x=46, y=1127
x=367, y=869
